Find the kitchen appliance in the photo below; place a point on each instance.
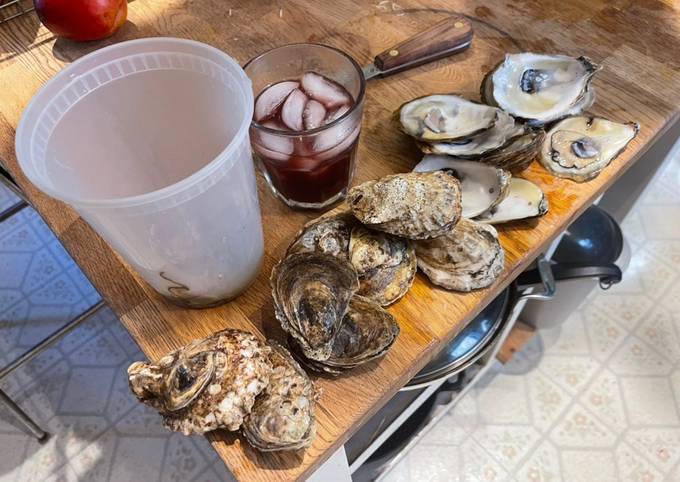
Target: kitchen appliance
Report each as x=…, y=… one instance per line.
x=148, y=141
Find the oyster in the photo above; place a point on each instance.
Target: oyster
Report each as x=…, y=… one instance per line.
x=311, y=295
x=578, y=148
x=482, y=186
x=518, y=154
x=525, y=200
x=282, y=417
x=445, y=117
x=208, y=384
x=386, y=264
x=367, y=333
x=469, y=257
x=504, y=130
x=327, y=234
x=414, y=205
x=541, y=88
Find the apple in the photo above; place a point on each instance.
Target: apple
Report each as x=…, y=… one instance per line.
x=82, y=19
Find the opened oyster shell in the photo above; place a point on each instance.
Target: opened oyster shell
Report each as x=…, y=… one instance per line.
x=385, y=264
x=208, y=384
x=367, y=333
x=482, y=186
x=524, y=200
x=541, y=88
x=468, y=258
x=311, y=295
x=578, y=148
x=282, y=417
x=504, y=130
x=517, y=155
x=414, y=205
x=445, y=117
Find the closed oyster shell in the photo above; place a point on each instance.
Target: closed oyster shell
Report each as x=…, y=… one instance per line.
x=541, y=88
x=327, y=234
x=386, y=264
x=445, y=117
x=282, y=417
x=578, y=148
x=518, y=154
x=208, y=384
x=311, y=295
x=468, y=258
x=367, y=333
x=414, y=205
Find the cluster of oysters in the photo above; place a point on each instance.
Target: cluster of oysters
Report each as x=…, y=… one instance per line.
x=523, y=97
x=231, y=380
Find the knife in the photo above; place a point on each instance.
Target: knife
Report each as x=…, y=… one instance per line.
x=448, y=37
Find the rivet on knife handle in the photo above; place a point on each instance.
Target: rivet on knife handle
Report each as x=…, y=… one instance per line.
x=447, y=37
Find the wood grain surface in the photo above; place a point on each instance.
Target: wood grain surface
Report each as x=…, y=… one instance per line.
x=637, y=42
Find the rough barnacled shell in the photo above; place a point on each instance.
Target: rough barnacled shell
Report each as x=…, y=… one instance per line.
x=367, y=333
x=414, y=205
x=525, y=200
x=504, y=130
x=208, y=384
x=445, y=117
x=468, y=258
x=282, y=417
x=518, y=154
x=541, y=88
x=311, y=295
x=386, y=264
x=327, y=234
x=578, y=148
x=482, y=186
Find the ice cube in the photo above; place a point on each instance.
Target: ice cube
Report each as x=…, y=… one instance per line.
x=269, y=101
x=337, y=113
x=335, y=141
x=314, y=114
x=273, y=146
x=293, y=107
x=321, y=89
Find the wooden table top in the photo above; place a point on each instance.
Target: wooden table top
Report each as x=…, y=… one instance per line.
x=637, y=42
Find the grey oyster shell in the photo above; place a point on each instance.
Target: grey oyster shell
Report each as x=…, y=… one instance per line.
x=208, y=384
x=367, y=333
x=327, y=234
x=414, y=205
x=468, y=258
x=282, y=417
x=311, y=295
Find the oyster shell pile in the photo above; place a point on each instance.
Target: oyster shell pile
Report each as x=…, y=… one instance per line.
x=230, y=380
x=489, y=194
x=505, y=142
x=578, y=148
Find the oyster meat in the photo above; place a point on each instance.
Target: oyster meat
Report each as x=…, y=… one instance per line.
x=414, y=205
x=468, y=258
x=367, y=333
x=541, y=88
x=524, y=200
x=311, y=295
x=445, y=117
x=208, y=384
x=482, y=186
x=504, y=130
x=385, y=264
x=578, y=148
x=282, y=417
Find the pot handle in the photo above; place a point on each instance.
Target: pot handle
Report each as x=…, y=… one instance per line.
x=542, y=274
x=608, y=274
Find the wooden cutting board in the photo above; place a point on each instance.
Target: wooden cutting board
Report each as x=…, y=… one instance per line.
x=637, y=42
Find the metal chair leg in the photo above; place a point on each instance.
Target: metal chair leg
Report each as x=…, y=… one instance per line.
x=22, y=417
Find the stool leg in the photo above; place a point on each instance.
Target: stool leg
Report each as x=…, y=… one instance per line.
x=25, y=420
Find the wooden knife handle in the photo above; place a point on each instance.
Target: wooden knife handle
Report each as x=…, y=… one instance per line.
x=445, y=38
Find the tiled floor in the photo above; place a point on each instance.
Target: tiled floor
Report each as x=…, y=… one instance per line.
x=595, y=400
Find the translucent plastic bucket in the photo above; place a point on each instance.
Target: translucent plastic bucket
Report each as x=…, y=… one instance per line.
x=148, y=141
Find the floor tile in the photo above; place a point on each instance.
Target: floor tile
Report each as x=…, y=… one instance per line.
x=588, y=466
x=138, y=458
x=547, y=401
x=508, y=444
x=579, y=428
x=603, y=398
x=543, y=465
x=649, y=401
x=633, y=467
x=478, y=465
x=635, y=357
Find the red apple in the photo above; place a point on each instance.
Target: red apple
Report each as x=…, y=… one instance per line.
x=82, y=19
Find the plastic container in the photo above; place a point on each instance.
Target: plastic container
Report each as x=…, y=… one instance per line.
x=148, y=141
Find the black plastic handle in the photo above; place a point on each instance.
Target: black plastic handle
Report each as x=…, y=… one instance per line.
x=607, y=274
